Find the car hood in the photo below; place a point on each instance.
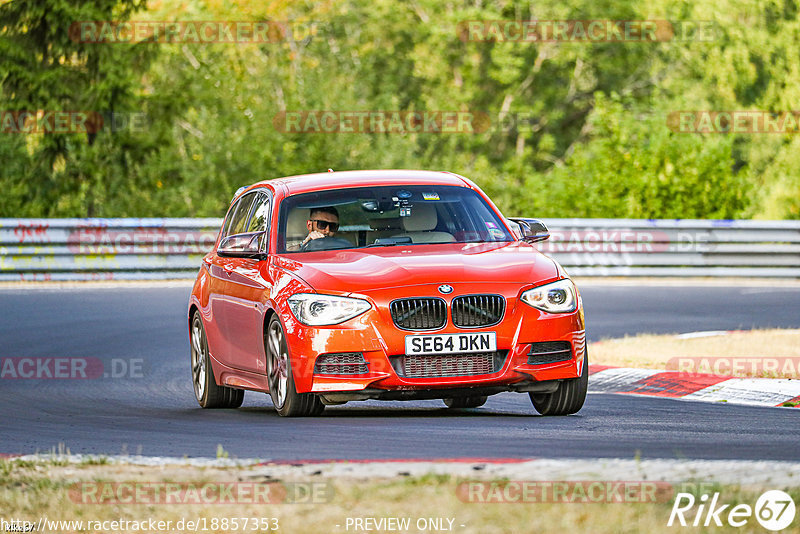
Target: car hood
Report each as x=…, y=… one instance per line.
x=361, y=270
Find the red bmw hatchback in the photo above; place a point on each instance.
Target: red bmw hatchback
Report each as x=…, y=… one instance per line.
x=335, y=287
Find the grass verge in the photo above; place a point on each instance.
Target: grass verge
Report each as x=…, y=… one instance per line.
x=32, y=490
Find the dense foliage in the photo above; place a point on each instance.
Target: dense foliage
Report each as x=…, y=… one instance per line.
x=578, y=129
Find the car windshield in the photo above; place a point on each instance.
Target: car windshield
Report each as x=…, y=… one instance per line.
x=388, y=216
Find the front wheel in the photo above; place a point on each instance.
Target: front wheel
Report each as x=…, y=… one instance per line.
x=568, y=398
x=288, y=402
x=206, y=390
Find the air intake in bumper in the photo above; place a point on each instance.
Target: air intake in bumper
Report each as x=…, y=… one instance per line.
x=342, y=363
x=445, y=365
x=549, y=352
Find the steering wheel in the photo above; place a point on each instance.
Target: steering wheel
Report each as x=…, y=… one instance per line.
x=325, y=243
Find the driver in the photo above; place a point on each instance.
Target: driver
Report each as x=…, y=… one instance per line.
x=322, y=222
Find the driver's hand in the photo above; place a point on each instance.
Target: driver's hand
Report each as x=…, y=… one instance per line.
x=313, y=235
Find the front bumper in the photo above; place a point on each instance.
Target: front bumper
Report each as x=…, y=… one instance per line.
x=375, y=336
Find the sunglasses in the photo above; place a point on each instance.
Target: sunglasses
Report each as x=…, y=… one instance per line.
x=322, y=225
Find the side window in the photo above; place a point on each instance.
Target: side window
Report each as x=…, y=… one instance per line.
x=239, y=219
x=227, y=223
x=260, y=218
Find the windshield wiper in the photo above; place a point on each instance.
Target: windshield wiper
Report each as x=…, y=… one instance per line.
x=390, y=242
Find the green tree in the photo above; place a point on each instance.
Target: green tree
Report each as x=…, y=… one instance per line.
x=45, y=68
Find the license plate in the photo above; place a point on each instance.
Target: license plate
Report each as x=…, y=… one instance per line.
x=451, y=343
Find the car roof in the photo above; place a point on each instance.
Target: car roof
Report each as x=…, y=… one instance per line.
x=305, y=183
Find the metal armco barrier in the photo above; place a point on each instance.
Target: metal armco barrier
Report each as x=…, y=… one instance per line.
x=104, y=249
x=668, y=247
x=141, y=249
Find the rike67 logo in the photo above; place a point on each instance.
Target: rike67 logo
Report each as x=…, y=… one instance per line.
x=774, y=510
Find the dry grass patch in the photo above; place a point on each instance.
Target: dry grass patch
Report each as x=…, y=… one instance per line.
x=30, y=490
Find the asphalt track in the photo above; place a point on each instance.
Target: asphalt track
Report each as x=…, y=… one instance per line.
x=155, y=414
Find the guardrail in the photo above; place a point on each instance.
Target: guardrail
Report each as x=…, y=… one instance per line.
x=140, y=249
x=104, y=249
x=668, y=247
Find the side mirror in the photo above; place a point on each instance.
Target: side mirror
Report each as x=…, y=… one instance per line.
x=246, y=245
x=532, y=230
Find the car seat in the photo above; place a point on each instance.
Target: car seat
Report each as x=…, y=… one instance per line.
x=421, y=224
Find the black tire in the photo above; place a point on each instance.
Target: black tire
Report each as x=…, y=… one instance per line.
x=288, y=402
x=465, y=402
x=568, y=398
x=206, y=390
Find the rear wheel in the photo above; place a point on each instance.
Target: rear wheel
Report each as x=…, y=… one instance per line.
x=568, y=398
x=284, y=396
x=465, y=402
x=206, y=390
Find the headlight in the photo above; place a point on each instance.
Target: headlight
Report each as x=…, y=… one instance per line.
x=556, y=297
x=318, y=310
